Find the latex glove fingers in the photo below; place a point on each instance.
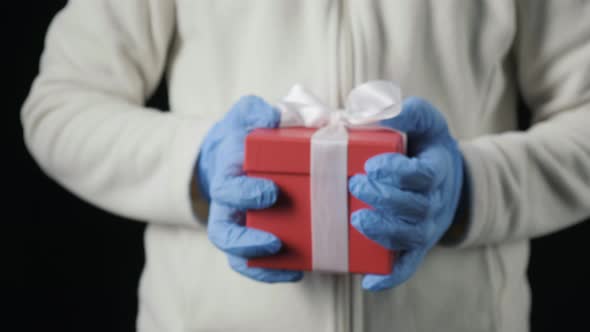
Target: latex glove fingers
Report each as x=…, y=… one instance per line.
x=221, y=178
x=419, y=119
x=407, y=205
x=243, y=192
x=405, y=266
x=434, y=170
x=391, y=232
x=230, y=187
x=240, y=265
x=251, y=112
x=226, y=232
x=401, y=171
x=248, y=113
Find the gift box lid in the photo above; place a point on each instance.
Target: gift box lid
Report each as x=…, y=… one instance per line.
x=287, y=150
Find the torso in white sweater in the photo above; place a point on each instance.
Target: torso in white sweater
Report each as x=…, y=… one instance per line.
x=86, y=125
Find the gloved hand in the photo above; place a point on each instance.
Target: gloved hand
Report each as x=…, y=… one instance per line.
x=220, y=177
x=414, y=198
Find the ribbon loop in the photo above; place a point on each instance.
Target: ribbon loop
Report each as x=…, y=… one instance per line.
x=373, y=101
x=366, y=104
x=301, y=108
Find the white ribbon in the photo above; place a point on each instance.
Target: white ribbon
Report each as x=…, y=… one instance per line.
x=365, y=106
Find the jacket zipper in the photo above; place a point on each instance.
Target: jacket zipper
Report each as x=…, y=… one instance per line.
x=346, y=55
x=345, y=85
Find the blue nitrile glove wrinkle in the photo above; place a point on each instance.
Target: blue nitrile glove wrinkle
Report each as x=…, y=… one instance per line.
x=414, y=197
x=221, y=180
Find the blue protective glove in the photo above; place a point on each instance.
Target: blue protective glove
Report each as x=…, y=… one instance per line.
x=221, y=179
x=414, y=198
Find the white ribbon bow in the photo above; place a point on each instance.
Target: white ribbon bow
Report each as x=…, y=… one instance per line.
x=365, y=106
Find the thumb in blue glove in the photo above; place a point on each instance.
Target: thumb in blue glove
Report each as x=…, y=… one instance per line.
x=221, y=179
x=415, y=197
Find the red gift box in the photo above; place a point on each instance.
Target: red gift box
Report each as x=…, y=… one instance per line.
x=283, y=156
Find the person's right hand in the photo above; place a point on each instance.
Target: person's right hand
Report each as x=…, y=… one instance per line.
x=221, y=179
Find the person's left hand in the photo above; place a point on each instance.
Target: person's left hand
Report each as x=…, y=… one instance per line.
x=414, y=198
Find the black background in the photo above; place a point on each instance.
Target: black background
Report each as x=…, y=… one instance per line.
x=67, y=266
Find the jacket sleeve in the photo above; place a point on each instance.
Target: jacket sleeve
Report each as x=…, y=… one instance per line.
x=85, y=122
x=526, y=184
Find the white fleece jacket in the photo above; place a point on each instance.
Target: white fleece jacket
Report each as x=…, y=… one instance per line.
x=86, y=125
